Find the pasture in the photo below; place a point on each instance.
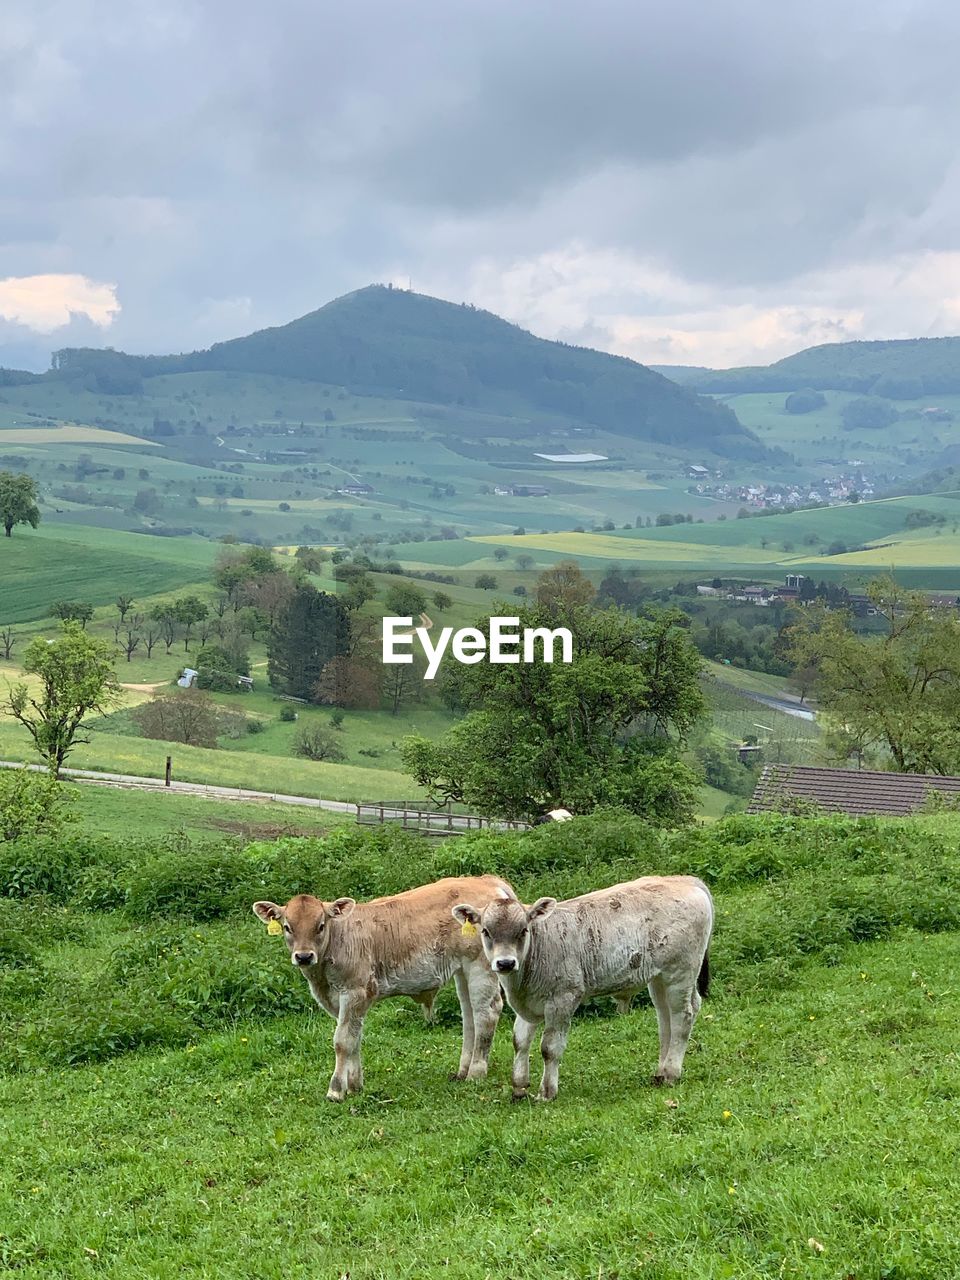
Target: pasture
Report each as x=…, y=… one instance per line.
x=166, y=1070
x=852, y=542
x=39, y=567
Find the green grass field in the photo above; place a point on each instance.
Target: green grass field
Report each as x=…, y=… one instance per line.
x=102, y=810
x=63, y=562
x=761, y=547
x=164, y=1074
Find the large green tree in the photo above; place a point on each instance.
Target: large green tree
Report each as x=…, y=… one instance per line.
x=895, y=695
x=75, y=676
x=313, y=628
x=602, y=730
x=18, y=501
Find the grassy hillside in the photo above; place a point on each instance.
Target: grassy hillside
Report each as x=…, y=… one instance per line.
x=382, y=341
x=63, y=562
x=144, y=1006
x=934, y=363
x=916, y=537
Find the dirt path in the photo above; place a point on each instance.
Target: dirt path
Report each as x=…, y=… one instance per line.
x=146, y=688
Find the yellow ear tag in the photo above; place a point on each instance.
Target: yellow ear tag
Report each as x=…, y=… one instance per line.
x=274, y=927
x=468, y=929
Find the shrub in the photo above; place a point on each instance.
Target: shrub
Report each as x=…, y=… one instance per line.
x=287, y=714
x=32, y=803
x=314, y=742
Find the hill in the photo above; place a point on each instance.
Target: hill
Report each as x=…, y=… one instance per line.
x=381, y=341
x=899, y=369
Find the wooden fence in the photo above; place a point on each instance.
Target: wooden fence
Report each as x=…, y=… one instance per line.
x=443, y=823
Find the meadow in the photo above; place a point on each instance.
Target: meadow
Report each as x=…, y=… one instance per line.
x=876, y=535
x=167, y=1071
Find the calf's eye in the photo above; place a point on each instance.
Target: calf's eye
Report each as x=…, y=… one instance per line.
x=485, y=933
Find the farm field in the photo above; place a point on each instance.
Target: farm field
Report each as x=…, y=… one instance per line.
x=762, y=547
x=79, y=563
x=820, y=439
x=185, y=1069
x=145, y=758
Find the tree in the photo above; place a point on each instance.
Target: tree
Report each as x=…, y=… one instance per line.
x=500, y=553
x=441, y=601
x=188, y=611
x=18, y=501
x=602, y=730
x=7, y=638
x=867, y=412
x=404, y=600
x=124, y=605
x=351, y=682
x=132, y=635
x=804, y=401
x=187, y=715
x=73, y=611
x=563, y=588
x=165, y=616
x=314, y=742
x=402, y=683
x=358, y=590
x=486, y=582
x=268, y=593
x=898, y=692
x=313, y=628
x=76, y=677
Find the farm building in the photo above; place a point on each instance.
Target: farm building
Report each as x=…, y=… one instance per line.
x=856, y=792
x=697, y=472
x=356, y=490
x=530, y=491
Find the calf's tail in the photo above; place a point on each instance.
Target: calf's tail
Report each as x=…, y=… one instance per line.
x=703, y=977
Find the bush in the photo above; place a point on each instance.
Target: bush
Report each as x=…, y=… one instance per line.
x=314, y=742
x=32, y=804
x=287, y=714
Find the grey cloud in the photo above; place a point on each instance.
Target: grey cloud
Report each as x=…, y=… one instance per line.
x=200, y=154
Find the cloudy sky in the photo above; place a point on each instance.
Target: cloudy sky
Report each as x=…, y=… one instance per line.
x=689, y=182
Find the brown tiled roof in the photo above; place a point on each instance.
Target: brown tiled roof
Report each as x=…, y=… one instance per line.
x=854, y=791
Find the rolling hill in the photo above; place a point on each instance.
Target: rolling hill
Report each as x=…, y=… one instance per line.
x=899, y=369
x=389, y=342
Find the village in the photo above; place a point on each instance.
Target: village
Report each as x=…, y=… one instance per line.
x=849, y=486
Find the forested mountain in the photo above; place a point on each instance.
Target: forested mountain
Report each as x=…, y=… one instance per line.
x=903, y=369
x=390, y=342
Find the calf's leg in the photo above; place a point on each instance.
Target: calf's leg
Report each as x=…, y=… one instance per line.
x=466, y=1014
x=684, y=1005
x=348, y=1071
x=486, y=1003
x=658, y=994
x=557, y=1018
x=523, y=1033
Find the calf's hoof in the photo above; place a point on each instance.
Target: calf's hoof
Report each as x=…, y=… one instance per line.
x=519, y=1095
x=545, y=1097
x=457, y=1075
x=335, y=1095
x=665, y=1077
x=478, y=1071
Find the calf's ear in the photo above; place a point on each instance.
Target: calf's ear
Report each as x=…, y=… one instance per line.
x=342, y=906
x=465, y=914
x=541, y=908
x=267, y=911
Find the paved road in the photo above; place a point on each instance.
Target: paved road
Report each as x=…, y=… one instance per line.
x=789, y=705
